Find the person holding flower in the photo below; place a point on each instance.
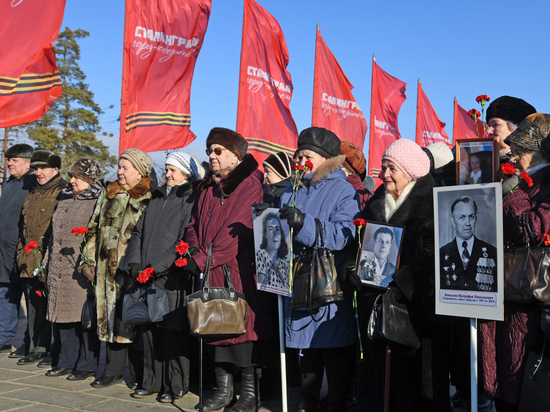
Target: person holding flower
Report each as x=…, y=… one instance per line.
x=67, y=287
x=505, y=345
x=320, y=190
x=155, y=243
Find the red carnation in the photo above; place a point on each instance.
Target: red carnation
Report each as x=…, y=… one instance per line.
x=30, y=246
x=508, y=169
x=181, y=262
x=83, y=230
x=474, y=114
x=482, y=97
x=182, y=247
x=527, y=178
x=546, y=239
x=39, y=293
x=359, y=222
x=75, y=231
x=145, y=275
x=298, y=167
x=309, y=165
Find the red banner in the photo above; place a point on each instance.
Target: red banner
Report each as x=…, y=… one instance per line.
x=464, y=126
x=265, y=86
x=162, y=40
x=388, y=94
x=334, y=106
x=429, y=129
x=29, y=79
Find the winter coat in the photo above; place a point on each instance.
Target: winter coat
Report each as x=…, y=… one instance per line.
x=115, y=216
x=326, y=195
x=273, y=192
x=14, y=192
x=153, y=243
x=36, y=224
x=66, y=285
x=362, y=191
x=419, y=377
x=224, y=218
x=505, y=345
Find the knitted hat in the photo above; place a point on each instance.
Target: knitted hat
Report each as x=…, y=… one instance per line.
x=409, y=157
x=85, y=169
x=319, y=140
x=439, y=154
x=279, y=163
x=45, y=158
x=229, y=139
x=355, y=158
x=141, y=160
x=21, y=150
x=510, y=108
x=187, y=164
x=531, y=132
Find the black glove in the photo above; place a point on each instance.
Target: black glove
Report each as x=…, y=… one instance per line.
x=193, y=250
x=90, y=290
x=349, y=273
x=396, y=293
x=293, y=216
x=133, y=270
x=192, y=269
x=259, y=208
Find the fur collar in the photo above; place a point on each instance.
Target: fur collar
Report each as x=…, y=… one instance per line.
x=392, y=204
x=232, y=180
x=179, y=191
x=325, y=170
x=135, y=192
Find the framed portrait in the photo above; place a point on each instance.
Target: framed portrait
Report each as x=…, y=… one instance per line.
x=476, y=161
x=380, y=251
x=469, y=280
x=271, y=241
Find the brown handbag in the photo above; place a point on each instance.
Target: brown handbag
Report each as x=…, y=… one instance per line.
x=216, y=312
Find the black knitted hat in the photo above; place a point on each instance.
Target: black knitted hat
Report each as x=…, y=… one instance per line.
x=280, y=163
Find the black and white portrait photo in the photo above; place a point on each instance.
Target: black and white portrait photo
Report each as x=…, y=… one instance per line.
x=380, y=254
x=271, y=239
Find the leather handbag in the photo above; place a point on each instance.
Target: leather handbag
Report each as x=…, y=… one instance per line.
x=534, y=394
x=314, y=277
x=390, y=322
x=526, y=270
x=89, y=313
x=143, y=305
x=216, y=312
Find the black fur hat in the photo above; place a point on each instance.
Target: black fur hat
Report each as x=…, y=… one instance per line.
x=229, y=139
x=510, y=108
x=45, y=158
x=19, y=150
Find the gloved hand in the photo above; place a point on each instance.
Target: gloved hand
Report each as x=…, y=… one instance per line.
x=396, y=293
x=192, y=269
x=90, y=290
x=133, y=270
x=88, y=271
x=293, y=216
x=259, y=208
x=193, y=250
x=349, y=273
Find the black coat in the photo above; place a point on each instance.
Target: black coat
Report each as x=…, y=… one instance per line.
x=153, y=243
x=419, y=377
x=14, y=192
x=273, y=192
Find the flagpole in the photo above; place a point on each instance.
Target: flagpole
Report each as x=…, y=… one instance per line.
x=473, y=364
x=418, y=131
x=283, y=355
x=315, y=101
x=241, y=89
x=454, y=119
x=371, y=131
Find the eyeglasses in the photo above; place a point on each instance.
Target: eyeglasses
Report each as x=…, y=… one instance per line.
x=518, y=156
x=217, y=151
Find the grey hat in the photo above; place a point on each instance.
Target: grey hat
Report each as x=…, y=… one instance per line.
x=21, y=150
x=45, y=158
x=531, y=132
x=319, y=140
x=141, y=160
x=85, y=169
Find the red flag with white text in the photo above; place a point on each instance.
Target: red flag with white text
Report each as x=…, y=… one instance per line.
x=429, y=129
x=162, y=40
x=265, y=86
x=334, y=106
x=464, y=126
x=29, y=79
x=388, y=94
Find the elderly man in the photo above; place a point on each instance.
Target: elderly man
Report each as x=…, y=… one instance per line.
x=36, y=227
x=15, y=189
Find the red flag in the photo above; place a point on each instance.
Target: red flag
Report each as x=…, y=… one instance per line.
x=429, y=129
x=29, y=79
x=464, y=126
x=334, y=106
x=162, y=40
x=265, y=86
x=388, y=94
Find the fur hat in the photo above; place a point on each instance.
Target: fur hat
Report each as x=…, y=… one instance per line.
x=439, y=154
x=85, y=169
x=531, y=132
x=319, y=140
x=510, y=108
x=355, y=158
x=280, y=163
x=229, y=139
x=45, y=158
x=21, y=150
x=141, y=160
x=409, y=157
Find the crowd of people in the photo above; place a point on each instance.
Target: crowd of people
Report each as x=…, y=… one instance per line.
x=63, y=245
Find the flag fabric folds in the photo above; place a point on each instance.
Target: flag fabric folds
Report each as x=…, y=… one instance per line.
x=429, y=129
x=265, y=86
x=29, y=79
x=388, y=94
x=334, y=106
x=162, y=40
x=464, y=126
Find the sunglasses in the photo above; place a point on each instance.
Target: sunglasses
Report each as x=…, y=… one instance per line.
x=217, y=151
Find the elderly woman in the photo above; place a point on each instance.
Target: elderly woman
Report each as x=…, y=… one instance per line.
x=326, y=195
x=153, y=244
x=506, y=344
x=224, y=219
x=66, y=286
x=117, y=212
x=419, y=377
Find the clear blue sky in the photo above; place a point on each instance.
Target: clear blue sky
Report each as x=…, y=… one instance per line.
x=454, y=47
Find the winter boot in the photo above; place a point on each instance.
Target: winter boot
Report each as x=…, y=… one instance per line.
x=224, y=395
x=249, y=399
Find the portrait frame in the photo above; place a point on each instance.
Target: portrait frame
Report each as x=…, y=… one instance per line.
x=487, y=151
x=367, y=269
x=469, y=284
x=273, y=273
